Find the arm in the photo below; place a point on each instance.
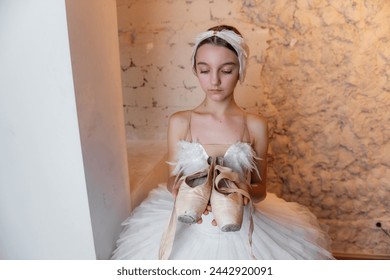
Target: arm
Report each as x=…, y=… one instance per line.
x=177, y=130
x=258, y=130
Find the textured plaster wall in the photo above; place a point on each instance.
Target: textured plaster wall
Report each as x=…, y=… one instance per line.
x=319, y=71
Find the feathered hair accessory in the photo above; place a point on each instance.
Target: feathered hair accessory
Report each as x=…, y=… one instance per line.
x=231, y=37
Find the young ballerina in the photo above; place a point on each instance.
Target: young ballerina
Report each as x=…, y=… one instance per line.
x=215, y=205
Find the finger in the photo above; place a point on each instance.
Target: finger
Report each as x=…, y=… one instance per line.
x=199, y=221
x=246, y=200
x=175, y=189
x=175, y=192
x=214, y=222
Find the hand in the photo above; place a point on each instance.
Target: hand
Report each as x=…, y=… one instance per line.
x=174, y=192
x=213, y=222
x=175, y=187
x=208, y=210
x=205, y=212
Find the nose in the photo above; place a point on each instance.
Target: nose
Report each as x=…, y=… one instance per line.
x=215, y=79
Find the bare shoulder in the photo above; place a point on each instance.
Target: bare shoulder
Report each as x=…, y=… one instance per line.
x=178, y=123
x=180, y=118
x=257, y=123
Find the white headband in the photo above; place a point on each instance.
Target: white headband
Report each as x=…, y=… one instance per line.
x=235, y=40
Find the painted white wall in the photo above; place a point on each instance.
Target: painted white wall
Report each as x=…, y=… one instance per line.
x=93, y=34
x=44, y=211
x=52, y=204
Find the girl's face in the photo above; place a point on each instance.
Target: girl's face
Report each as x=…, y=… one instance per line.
x=217, y=69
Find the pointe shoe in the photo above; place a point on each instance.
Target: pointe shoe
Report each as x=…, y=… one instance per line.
x=193, y=196
x=227, y=198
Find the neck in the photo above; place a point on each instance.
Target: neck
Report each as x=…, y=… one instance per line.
x=219, y=108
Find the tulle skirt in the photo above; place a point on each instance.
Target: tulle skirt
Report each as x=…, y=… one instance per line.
x=282, y=230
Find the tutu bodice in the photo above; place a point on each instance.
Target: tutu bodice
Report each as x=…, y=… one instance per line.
x=193, y=156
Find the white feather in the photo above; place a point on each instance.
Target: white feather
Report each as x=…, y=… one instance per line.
x=192, y=157
x=241, y=157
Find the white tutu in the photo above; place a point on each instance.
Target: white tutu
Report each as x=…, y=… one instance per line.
x=282, y=230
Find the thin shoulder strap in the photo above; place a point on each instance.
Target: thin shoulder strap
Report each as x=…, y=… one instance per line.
x=189, y=134
x=245, y=130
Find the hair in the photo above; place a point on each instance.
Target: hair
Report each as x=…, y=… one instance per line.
x=225, y=36
x=214, y=40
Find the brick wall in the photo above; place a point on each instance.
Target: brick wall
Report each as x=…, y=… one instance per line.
x=318, y=70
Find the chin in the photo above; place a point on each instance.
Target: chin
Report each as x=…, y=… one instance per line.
x=216, y=96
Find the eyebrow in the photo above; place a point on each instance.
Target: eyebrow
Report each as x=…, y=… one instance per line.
x=225, y=64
